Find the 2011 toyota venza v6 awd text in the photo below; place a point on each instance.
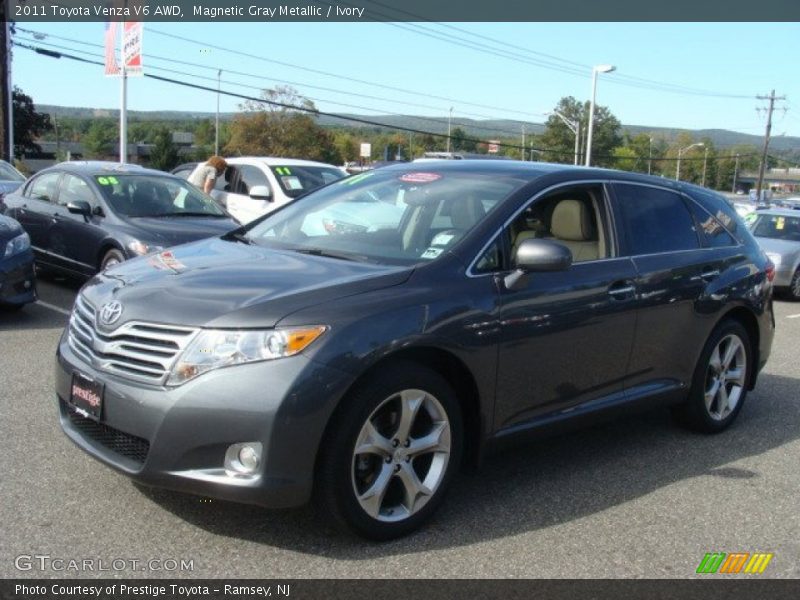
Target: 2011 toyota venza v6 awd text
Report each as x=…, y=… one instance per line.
x=464, y=303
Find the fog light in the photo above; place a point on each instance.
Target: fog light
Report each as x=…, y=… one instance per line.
x=243, y=459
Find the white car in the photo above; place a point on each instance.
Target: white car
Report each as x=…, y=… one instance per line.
x=255, y=185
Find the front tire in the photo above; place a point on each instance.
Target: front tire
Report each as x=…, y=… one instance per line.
x=111, y=258
x=390, y=452
x=794, y=286
x=720, y=381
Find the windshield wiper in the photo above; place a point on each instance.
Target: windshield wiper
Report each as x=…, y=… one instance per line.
x=332, y=254
x=238, y=236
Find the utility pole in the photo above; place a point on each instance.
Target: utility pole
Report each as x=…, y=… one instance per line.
x=650, y=157
x=523, y=142
x=705, y=164
x=735, y=174
x=6, y=103
x=216, y=122
x=761, y=167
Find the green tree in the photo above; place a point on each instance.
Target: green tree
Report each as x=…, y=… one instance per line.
x=558, y=139
x=164, y=155
x=460, y=142
x=29, y=125
x=265, y=128
x=99, y=140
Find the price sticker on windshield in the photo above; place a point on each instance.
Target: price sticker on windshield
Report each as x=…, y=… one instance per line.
x=419, y=177
x=780, y=223
x=107, y=180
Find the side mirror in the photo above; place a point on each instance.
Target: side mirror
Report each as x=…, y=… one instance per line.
x=538, y=256
x=79, y=207
x=260, y=192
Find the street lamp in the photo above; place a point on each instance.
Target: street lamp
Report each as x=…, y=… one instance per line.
x=650, y=158
x=595, y=71
x=680, y=152
x=449, y=119
x=574, y=127
x=216, y=121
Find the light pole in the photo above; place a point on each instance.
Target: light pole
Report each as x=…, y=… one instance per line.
x=216, y=123
x=650, y=158
x=449, y=121
x=735, y=173
x=705, y=163
x=595, y=71
x=574, y=127
x=523, y=142
x=680, y=152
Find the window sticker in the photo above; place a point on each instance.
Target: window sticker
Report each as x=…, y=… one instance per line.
x=432, y=252
x=419, y=177
x=283, y=170
x=107, y=180
x=292, y=183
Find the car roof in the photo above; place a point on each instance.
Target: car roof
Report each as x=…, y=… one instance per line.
x=102, y=167
x=779, y=212
x=277, y=161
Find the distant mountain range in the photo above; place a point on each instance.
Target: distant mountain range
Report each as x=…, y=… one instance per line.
x=483, y=129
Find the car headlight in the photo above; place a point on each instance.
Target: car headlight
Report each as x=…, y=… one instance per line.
x=775, y=258
x=215, y=348
x=141, y=248
x=18, y=244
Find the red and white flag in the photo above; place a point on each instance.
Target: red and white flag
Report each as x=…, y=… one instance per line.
x=112, y=68
x=132, y=48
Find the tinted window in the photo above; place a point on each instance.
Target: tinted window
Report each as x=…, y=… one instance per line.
x=74, y=188
x=44, y=187
x=654, y=220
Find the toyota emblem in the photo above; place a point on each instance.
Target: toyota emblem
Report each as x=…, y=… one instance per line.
x=110, y=313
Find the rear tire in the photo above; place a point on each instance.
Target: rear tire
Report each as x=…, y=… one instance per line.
x=794, y=286
x=111, y=258
x=390, y=452
x=720, y=381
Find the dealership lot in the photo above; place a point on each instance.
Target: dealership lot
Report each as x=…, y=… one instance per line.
x=637, y=497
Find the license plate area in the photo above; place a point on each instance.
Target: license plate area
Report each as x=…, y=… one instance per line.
x=86, y=396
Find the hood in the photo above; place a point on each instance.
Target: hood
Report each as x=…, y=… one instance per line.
x=782, y=247
x=171, y=231
x=219, y=283
x=9, y=229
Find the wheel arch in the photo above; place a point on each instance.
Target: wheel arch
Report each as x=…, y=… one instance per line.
x=104, y=248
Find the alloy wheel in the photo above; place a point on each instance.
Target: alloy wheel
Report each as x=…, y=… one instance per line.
x=726, y=377
x=401, y=455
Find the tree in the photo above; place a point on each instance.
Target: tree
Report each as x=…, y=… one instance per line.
x=266, y=128
x=99, y=140
x=559, y=140
x=459, y=141
x=28, y=124
x=164, y=155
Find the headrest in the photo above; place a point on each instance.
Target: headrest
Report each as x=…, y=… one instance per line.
x=571, y=221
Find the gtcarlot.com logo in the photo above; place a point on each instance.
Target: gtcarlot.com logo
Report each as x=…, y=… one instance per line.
x=45, y=562
x=734, y=562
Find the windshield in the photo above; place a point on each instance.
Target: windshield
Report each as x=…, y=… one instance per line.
x=155, y=196
x=296, y=181
x=386, y=217
x=777, y=227
x=9, y=173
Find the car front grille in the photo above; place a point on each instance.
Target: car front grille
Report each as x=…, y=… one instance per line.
x=140, y=351
x=124, y=444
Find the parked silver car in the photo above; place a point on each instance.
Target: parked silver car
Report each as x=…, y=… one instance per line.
x=778, y=232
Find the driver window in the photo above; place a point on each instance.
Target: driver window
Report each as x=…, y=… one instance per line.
x=250, y=176
x=74, y=188
x=574, y=217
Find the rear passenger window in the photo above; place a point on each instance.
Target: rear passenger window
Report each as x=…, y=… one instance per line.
x=712, y=230
x=654, y=220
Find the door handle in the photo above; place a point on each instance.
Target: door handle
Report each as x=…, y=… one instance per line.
x=710, y=274
x=621, y=289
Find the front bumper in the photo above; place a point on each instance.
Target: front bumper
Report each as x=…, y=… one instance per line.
x=176, y=438
x=17, y=279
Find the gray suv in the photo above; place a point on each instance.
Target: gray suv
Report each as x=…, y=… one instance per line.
x=362, y=364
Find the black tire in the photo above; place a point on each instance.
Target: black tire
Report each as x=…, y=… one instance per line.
x=339, y=469
x=696, y=413
x=111, y=257
x=794, y=286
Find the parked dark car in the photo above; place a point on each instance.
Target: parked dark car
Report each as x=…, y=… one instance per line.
x=17, y=280
x=360, y=366
x=85, y=216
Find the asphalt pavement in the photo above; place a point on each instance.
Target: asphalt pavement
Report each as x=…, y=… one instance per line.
x=638, y=497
